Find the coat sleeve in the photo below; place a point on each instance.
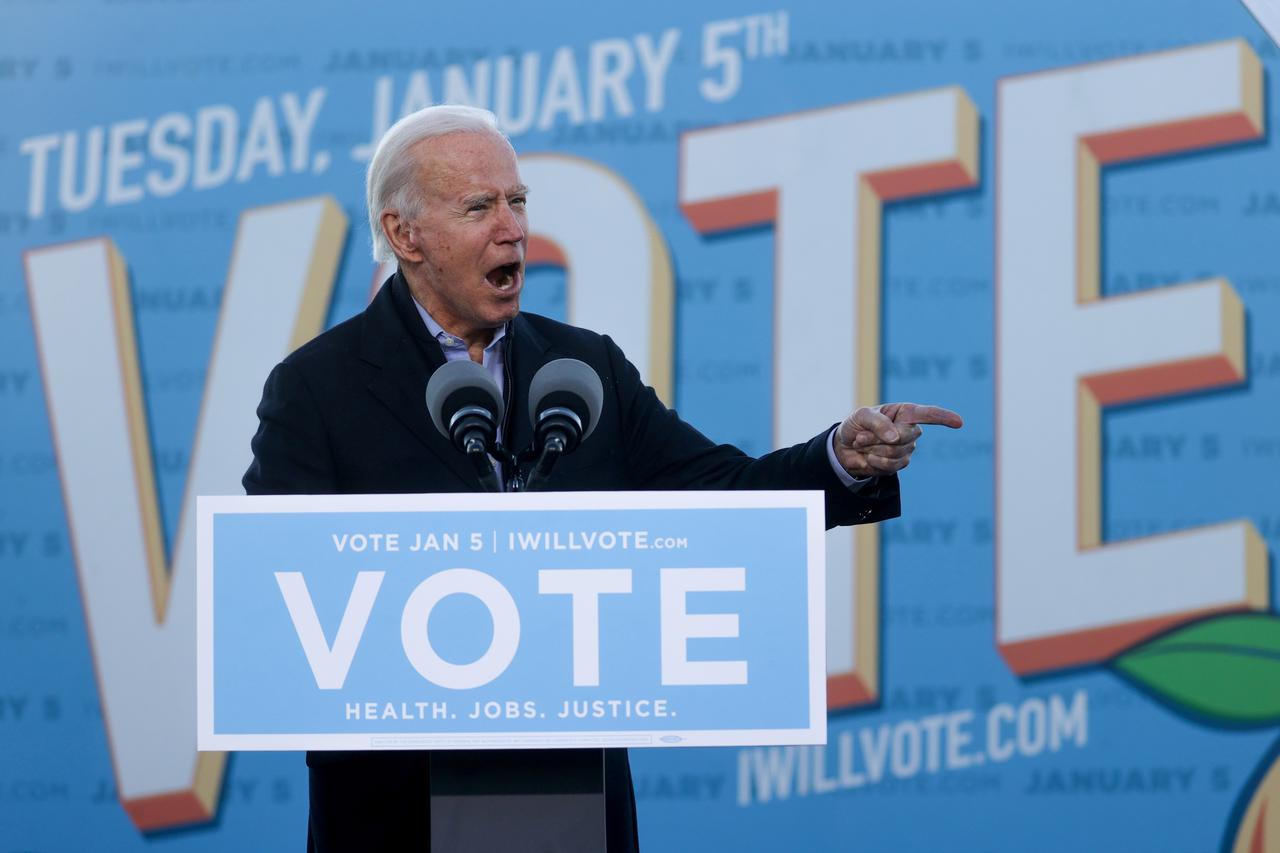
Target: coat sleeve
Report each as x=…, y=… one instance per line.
x=665, y=452
x=291, y=453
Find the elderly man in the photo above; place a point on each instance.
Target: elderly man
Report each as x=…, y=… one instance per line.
x=345, y=414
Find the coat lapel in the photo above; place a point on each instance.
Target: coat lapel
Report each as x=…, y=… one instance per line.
x=405, y=357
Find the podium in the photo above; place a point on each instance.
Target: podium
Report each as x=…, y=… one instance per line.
x=515, y=636
x=519, y=800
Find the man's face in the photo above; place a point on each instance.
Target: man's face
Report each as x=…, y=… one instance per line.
x=470, y=232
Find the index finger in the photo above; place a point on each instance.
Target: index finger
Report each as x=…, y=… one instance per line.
x=910, y=413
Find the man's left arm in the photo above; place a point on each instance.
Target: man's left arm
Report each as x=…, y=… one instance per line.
x=664, y=452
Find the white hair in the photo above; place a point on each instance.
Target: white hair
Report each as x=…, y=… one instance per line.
x=391, y=182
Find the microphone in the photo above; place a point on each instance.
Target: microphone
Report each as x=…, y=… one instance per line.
x=466, y=406
x=565, y=398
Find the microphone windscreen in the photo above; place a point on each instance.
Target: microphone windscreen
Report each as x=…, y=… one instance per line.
x=571, y=378
x=457, y=376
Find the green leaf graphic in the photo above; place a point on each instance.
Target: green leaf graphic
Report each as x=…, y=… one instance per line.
x=1226, y=668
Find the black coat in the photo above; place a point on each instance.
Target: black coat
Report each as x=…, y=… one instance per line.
x=344, y=414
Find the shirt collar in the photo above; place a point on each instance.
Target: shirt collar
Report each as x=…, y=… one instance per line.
x=450, y=341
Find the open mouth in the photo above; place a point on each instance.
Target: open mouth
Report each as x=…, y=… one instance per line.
x=505, y=276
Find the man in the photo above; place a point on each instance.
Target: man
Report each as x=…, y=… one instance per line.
x=345, y=414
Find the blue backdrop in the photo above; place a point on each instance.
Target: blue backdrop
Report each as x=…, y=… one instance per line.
x=1099, y=756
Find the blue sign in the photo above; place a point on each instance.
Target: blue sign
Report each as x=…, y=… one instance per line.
x=501, y=621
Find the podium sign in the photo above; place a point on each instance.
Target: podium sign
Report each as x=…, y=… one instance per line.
x=511, y=620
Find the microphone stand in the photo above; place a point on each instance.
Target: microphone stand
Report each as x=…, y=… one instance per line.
x=484, y=469
x=560, y=429
x=551, y=453
x=474, y=424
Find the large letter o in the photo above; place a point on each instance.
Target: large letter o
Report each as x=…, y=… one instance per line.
x=506, y=629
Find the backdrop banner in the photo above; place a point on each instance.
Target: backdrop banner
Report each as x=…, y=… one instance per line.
x=1056, y=218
